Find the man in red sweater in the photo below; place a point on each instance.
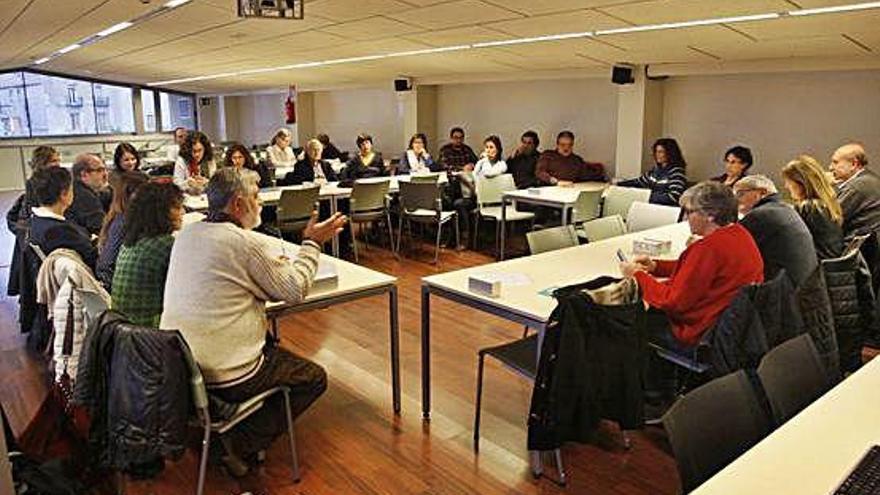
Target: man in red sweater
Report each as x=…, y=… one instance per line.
x=699, y=286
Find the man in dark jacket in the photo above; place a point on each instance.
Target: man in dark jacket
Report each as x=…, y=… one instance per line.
x=524, y=160
x=781, y=235
x=89, y=184
x=858, y=190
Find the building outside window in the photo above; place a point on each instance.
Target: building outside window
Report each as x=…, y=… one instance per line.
x=114, y=106
x=13, y=109
x=177, y=110
x=148, y=104
x=59, y=106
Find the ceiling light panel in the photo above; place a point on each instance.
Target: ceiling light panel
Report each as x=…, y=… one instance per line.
x=668, y=11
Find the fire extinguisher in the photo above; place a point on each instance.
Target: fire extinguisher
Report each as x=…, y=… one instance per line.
x=290, y=105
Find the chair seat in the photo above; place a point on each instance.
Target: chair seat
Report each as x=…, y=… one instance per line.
x=245, y=409
x=511, y=214
x=521, y=355
x=425, y=214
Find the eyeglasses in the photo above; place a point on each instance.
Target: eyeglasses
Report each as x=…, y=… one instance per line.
x=742, y=192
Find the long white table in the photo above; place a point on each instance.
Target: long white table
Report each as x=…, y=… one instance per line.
x=353, y=282
x=562, y=197
x=528, y=302
x=814, y=451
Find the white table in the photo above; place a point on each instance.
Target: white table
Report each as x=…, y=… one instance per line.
x=814, y=451
x=353, y=282
x=522, y=303
x=562, y=197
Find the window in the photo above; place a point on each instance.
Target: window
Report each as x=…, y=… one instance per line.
x=58, y=105
x=177, y=111
x=13, y=109
x=148, y=103
x=114, y=109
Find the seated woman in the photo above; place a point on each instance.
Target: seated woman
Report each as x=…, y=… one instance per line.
x=816, y=202
x=367, y=163
x=490, y=164
x=331, y=152
x=311, y=168
x=416, y=159
x=113, y=229
x=737, y=162
x=668, y=179
x=280, y=153
x=49, y=229
x=694, y=290
x=155, y=212
x=125, y=159
x=238, y=157
x=195, y=165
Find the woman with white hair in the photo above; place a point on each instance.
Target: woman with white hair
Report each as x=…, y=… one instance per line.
x=280, y=152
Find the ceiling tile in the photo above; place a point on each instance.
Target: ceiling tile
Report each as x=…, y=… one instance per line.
x=660, y=11
x=815, y=25
x=574, y=21
x=349, y=10
x=531, y=7
x=371, y=28
x=455, y=14
x=785, y=48
x=458, y=36
x=39, y=20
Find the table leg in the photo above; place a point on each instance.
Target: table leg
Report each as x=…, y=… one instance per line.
x=335, y=241
x=426, y=353
x=503, y=228
x=565, y=210
x=395, y=350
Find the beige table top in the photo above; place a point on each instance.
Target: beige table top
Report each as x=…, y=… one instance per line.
x=814, y=451
x=560, y=268
x=561, y=195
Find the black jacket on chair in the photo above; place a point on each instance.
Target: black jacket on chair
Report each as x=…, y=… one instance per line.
x=783, y=239
x=759, y=318
x=303, y=172
x=852, y=299
x=134, y=382
x=818, y=318
x=590, y=368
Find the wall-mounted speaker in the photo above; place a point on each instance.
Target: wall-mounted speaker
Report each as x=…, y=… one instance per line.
x=622, y=74
x=403, y=84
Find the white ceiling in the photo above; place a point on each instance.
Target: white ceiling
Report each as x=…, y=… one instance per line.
x=206, y=37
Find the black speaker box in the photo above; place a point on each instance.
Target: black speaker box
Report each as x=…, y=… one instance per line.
x=622, y=74
x=402, y=85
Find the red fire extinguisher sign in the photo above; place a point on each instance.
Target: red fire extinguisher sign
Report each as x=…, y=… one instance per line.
x=290, y=105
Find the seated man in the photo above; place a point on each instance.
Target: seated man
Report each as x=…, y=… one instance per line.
x=49, y=229
x=858, y=189
x=456, y=156
x=780, y=233
x=89, y=184
x=563, y=167
x=524, y=160
x=220, y=277
x=700, y=285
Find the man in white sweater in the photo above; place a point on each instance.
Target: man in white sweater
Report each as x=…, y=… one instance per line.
x=219, y=278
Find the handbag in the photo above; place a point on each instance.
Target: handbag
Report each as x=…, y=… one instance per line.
x=60, y=427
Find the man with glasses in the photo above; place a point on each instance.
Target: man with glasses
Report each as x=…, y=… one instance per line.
x=781, y=235
x=562, y=166
x=456, y=156
x=89, y=184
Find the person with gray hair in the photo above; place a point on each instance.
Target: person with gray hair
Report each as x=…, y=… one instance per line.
x=694, y=290
x=90, y=193
x=781, y=234
x=858, y=189
x=220, y=276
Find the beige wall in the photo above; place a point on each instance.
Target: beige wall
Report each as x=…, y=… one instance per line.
x=777, y=115
x=254, y=119
x=344, y=114
x=588, y=107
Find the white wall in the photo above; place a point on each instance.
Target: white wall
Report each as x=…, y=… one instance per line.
x=344, y=114
x=587, y=107
x=777, y=115
x=254, y=119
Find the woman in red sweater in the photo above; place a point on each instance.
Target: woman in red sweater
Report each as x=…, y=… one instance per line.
x=694, y=290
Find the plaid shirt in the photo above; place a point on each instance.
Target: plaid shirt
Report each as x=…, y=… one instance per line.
x=456, y=158
x=139, y=280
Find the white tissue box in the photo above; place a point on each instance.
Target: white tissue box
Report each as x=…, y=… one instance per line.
x=651, y=247
x=486, y=285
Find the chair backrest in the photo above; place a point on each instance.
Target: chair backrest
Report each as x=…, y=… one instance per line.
x=713, y=425
x=551, y=239
x=416, y=196
x=587, y=206
x=490, y=189
x=603, y=228
x=196, y=380
x=793, y=377
x=38, y=251
x=644, y=216
x=425, y=178
x=368, y=195
x=297, y=204
x=93, y=305
x=618, y=200
x=856, y=242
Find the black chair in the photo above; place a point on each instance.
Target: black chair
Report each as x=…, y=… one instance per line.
x=793, y=376
x=713, y=425
x=521, y=356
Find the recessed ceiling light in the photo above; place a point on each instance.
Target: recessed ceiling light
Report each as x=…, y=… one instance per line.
x=69, y=48
x=43, y=60
x=115, y=29
x=835, y=9
x=175, y=3
x=534, y=39
x=687, y=24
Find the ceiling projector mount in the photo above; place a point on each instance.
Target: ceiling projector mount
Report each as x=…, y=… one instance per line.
x=271, y=9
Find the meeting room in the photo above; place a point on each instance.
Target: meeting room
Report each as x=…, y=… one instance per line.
x=429, y=247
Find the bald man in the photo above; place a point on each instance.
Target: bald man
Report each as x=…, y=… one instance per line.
x=858, y=190
x=89, y=184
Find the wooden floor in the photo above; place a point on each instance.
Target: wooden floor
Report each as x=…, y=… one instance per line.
x=350, y=442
